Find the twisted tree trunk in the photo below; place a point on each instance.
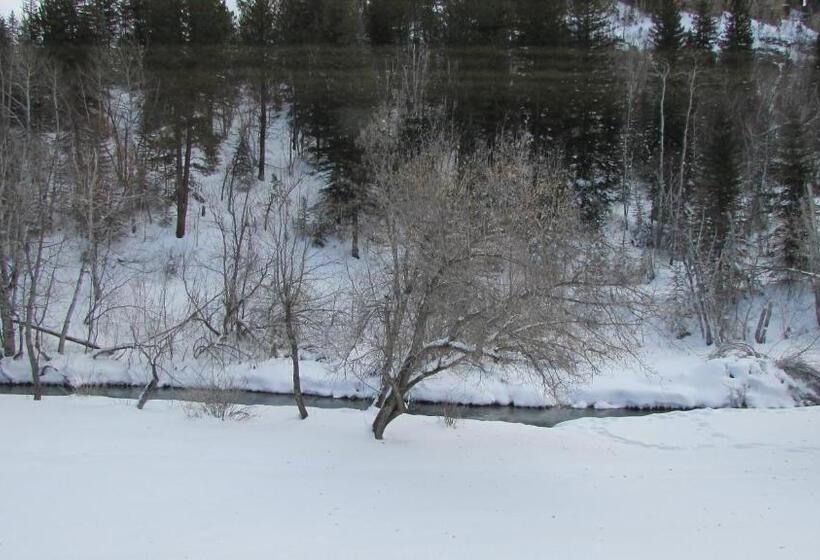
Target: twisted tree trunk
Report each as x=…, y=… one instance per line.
x=392, y=408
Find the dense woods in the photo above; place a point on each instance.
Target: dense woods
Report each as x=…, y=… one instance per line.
x=507, y=175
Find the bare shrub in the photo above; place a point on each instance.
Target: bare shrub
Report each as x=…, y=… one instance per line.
x=450, y=415
x=804, y=373
x=217, y=396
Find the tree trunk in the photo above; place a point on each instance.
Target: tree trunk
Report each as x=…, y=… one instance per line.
x=182, y=187
x=354, y=243
x=263, y=125
x=7, y=286
x=70, y=312
x=149, y=389
x=34, y=362
x=389, y=411
x=817, y=302
x=294, y=357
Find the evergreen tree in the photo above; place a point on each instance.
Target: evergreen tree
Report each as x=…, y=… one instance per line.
x=720, y=178
x=57, y=23
x=257, y=22
x=298, y=20
x=13, y=28
x=589, y=24
x=5, y=35
x=102, y=20
x=163, y=22
x=541, y=23
x=340, y=21
x=477, y=22
x=704, y=29
x=320, y=21
x=397, y=21
x=257, y=28
x=209, y=22
x=667, y=31
x=738, y=39
x=794, y=172
x=816, y=52
x=134, y=21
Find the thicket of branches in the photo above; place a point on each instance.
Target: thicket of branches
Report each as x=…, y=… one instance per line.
x=480, y=246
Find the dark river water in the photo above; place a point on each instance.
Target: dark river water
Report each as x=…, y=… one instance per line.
x=543, y=417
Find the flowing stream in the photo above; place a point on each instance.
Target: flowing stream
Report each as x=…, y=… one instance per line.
x=542, y=417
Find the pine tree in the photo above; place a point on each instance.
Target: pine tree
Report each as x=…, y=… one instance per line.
x=541, y=23
x=477, y=22
x=793, y=169
x=739, y=38
x=704, y=29
x=667, y=31
x=384, y=22
x=257, y=22
x=13, y=28
x=298, y=20
x=590, y=24
x=163, y=22
x=5, y=35
x=320, y=21
x=57, y=22
x=257, y=28
x=340, y=21
x=208, y=22
x=102, y=20
x=817, y=52
x=720, y=178
x=390, y=22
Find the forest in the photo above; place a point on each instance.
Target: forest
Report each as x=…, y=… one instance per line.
x=402, y=188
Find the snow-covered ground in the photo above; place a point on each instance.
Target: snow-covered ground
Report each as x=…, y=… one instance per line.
x=89, y=478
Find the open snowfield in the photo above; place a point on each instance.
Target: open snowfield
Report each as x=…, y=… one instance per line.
x=88, y=478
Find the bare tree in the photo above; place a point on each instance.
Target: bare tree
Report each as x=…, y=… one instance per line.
x=295, y=304
x=482, y=262
x=241, y=266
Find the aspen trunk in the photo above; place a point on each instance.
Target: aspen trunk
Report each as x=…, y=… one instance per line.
x=294, y=357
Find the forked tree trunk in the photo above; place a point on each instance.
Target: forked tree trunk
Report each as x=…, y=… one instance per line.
x=390, y=410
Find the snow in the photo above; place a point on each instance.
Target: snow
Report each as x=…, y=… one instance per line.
x=677, y=379
x=633, y=27
x=90, y=478
x=147, y=267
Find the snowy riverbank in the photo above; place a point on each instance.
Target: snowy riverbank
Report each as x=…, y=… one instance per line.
x=97, y=479
x=671, y=378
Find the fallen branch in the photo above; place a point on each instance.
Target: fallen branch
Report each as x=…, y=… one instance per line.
x=86, y=343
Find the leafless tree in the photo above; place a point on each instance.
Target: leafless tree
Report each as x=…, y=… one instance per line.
x=294, y=302
x=482, y=262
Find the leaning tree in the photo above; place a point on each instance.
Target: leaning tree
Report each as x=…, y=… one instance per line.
x=481, y=261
